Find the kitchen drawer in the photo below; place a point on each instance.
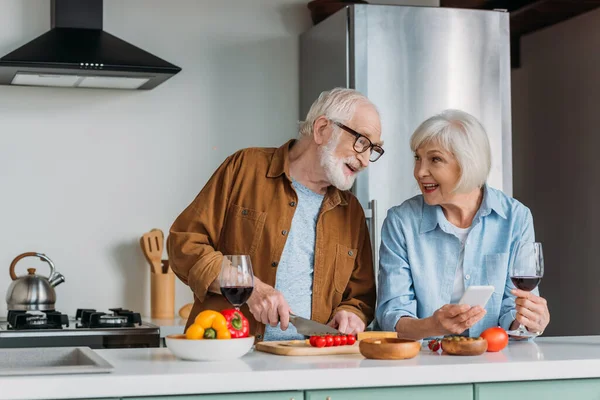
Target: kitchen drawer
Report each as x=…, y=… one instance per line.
x=576, y=389
x=232, y=396
x=446, y=392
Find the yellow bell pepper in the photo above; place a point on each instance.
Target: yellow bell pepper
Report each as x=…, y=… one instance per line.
x=214, y=325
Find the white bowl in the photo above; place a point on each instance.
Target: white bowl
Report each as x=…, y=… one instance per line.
x=208, y=349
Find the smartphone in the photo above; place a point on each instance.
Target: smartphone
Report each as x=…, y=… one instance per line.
x=477, y=295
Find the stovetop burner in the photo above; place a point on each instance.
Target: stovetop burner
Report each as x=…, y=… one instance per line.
x=90, y=318
x=117, y=328
x=36, y=320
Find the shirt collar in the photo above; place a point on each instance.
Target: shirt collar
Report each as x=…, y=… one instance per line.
x=430, y=218
x=434, y=216
x=279, y=161
x=490, y=203
x=280, y=166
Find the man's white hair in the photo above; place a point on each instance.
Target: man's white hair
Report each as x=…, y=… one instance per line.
x=337, y=104
x=461, y=134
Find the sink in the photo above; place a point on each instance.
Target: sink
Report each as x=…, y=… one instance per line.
x=51, y=360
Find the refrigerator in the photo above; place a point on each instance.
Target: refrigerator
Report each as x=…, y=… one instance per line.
x=412, y=62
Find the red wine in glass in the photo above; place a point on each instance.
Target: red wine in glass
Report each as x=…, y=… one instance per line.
x=237, y=295
x=526, y=271
x=236, y=279
x=526, y=283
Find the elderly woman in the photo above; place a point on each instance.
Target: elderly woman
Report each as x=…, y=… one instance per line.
x=459, y=232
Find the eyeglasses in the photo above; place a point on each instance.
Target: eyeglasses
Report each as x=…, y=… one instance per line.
x=362, y=143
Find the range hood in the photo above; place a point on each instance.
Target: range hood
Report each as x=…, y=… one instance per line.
x=77, y=53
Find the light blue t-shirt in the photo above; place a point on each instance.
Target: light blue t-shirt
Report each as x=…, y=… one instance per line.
x=419, y=253
x=295, y=271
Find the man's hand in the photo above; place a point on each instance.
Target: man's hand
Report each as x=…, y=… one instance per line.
x=455, y=319
x=347, y=323
x=268, y=305
x=532, y=311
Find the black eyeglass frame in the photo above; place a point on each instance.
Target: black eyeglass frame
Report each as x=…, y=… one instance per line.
x=375, y=148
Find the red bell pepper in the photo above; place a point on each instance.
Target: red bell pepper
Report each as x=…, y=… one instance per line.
x=238, y=325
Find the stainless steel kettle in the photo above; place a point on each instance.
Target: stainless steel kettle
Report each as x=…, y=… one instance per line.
x=31, y=291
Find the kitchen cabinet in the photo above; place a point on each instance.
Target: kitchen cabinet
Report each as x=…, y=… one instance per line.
x=446, y=392
x=232, y=396
x=580, y=389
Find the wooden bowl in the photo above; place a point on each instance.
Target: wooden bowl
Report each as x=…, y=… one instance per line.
x=464, y=346
x=389, y=348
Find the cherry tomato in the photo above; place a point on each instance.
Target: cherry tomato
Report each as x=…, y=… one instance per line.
x=313, y=340
x=337, y=340
x=496, y=337
x=351, y=340
x=320, y=341
x=343, y=340
x=434, y=345
x=328, y=341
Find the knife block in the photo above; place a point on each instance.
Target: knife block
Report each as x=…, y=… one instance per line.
x=162, y=294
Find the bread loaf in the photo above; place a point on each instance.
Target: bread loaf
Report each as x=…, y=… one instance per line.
x=184, y=312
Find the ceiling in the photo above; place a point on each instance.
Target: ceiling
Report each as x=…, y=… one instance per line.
x=528, y=16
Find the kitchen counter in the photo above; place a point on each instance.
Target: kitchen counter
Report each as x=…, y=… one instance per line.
x=155, y=372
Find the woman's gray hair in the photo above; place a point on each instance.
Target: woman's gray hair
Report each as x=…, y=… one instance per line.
x=337, y=104
x=461, y=134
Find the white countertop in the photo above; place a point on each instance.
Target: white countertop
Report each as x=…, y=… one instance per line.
x=154, y=372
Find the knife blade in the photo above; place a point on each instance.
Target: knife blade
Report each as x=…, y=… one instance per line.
x=309, y=327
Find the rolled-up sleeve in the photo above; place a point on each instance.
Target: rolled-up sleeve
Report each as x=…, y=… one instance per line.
x=508, y=312
x=396, y=297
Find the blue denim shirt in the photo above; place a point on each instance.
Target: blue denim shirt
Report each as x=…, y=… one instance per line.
x=419, y=257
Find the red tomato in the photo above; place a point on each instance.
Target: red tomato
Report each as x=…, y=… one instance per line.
x=496, y=337
x=336, y=340
x=434, y=345
x=328, y=341
x=320, y=341
x=351, y=340
x=343, y=340
x=313, y=340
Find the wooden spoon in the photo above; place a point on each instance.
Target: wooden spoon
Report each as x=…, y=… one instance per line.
x=152, y=246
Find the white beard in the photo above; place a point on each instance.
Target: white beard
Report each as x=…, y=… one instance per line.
x=334, y=166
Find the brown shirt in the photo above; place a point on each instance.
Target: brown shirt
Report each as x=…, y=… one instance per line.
x=247, y=208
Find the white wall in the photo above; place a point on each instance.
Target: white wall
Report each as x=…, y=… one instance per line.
x=85, y=172
x=556, y=95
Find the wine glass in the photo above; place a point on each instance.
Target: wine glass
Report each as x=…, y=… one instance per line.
x=236, y=279
x=526, y=272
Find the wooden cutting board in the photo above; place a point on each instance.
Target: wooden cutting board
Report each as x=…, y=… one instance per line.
x=302, y=348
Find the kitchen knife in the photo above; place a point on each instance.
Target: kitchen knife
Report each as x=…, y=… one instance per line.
x=308, y=327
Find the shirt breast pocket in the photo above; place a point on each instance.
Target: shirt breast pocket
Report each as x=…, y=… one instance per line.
x=345, y=257
x=496, y=271
x=243, y=230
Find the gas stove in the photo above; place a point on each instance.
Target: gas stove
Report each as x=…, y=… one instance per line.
x=119, y=328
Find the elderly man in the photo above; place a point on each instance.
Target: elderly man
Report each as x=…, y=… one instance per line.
x=290, y=210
